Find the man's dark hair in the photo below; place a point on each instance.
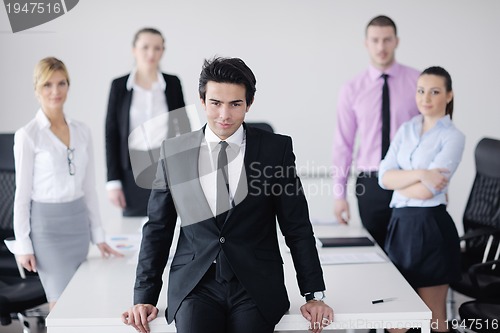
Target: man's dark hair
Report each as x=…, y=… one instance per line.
x=440, y=71
x=227, y=70
x=382, y=21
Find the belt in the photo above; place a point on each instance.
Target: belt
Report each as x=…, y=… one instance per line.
x=368, y=174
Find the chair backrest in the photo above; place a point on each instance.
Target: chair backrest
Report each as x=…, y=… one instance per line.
x=483, y=206
x=7, y=184
x=16, y=293
x=262, y=125
x=6, y=151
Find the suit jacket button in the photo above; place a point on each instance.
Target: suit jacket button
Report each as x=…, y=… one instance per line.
x=222, y=240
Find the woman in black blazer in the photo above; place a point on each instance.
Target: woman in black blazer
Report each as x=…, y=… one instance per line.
x=135, y=98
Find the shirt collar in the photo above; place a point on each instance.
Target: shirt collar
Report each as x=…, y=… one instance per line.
x=418, y=121
x=234, y=141
x=375, y=73
x=43, y=121
x=131, y=81
x=445, y=121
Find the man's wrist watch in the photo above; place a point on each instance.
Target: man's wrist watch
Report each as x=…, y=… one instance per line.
x=317, y=296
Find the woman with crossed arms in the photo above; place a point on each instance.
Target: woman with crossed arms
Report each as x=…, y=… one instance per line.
x=422, y=240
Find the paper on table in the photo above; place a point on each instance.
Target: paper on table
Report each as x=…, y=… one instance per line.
x=350, y=258
x=129, y=245
x=124, y=242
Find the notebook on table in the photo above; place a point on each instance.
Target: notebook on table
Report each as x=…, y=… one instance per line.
x=345, y=241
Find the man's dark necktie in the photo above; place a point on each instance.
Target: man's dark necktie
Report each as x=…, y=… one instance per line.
x=386, y=117
x=223, y=269
x=222, y=204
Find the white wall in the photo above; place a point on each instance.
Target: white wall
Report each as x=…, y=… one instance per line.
x=300, y=51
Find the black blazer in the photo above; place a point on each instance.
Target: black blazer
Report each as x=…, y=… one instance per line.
x=118, y=121
x=250, y=236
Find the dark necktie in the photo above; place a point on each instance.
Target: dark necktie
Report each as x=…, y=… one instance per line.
x=222, y=204
x=223, y=269
x=386, y=117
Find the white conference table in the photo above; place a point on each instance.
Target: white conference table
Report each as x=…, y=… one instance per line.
x=102, y=289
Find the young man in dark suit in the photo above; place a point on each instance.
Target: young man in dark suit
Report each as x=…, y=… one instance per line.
x=228, y=183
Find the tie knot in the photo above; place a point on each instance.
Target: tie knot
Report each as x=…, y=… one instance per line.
x=384, y=76
x=223, y=145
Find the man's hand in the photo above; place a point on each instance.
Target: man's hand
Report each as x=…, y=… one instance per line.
x=139, y=317
x=318, y=313
x=341, y=211
x=117, y=198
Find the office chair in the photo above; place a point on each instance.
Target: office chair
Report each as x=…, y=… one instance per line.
x=483, y=314
x=482, y=212
x=262, y=125
x=7, y=187
x=481, y=222
x=18, y=292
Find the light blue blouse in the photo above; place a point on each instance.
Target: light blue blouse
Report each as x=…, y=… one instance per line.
x=440, y=147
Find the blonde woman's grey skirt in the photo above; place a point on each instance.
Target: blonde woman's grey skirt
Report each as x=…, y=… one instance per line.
x=60, y=233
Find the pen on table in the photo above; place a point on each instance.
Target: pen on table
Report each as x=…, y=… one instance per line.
x=383, y=300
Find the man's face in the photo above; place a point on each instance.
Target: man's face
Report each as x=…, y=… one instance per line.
x=381, y=43
x=225, y=106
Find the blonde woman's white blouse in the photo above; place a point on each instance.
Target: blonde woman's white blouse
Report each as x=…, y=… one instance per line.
x=43, y=175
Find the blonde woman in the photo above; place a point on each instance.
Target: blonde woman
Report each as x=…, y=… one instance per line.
x=56, y=212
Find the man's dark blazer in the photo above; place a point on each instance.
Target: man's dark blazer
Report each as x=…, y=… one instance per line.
x=118, y=121
x=248, y=237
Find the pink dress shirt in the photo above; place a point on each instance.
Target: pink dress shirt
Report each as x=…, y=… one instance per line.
x=359, y=112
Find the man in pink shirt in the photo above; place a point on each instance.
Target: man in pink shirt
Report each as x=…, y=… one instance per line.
x=371, y=106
